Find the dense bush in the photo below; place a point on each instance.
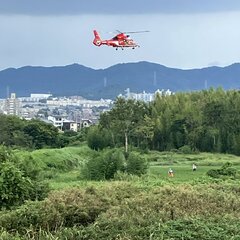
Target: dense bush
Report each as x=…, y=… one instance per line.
x=136, y=164
x=14, y=187
x=19, y=180
x=103, y=165
x=124, y=211
x=186, y=149
x=98, y=139
x=225, y=171
x=68, y=208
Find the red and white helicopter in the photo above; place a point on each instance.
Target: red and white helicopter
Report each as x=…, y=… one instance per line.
x=121, y=40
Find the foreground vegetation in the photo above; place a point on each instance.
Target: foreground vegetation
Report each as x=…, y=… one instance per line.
x=121, y=210
x=118, y=186
x=191, y=205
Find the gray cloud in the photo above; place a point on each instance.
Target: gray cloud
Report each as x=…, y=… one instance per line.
x=75, y=7
x=176, y=40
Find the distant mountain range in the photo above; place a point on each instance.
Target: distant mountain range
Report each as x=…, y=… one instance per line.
x=76, y=79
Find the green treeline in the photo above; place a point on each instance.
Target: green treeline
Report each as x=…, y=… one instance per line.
x=206, y=121
x=34, y=134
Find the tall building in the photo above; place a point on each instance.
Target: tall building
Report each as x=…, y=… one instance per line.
x=12, y=105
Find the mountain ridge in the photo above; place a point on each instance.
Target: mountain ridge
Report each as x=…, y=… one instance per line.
x=76, y=79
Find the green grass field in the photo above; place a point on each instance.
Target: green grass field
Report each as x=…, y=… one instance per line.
x=62, y=166
x=201, y=159
x=156, y=176
x=182, y=173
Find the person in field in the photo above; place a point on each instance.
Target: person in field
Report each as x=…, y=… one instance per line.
x=170, y=172
x=194, y=167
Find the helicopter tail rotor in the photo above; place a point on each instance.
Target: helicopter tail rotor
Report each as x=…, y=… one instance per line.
x=97, y=40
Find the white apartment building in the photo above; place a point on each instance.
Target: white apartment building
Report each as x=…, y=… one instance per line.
x=57, y=121
x=12, y=105
x=35, y=97
x=64, y=124
x=2, y=105
x=79, y=102
x=40, y=95
x=146, y=97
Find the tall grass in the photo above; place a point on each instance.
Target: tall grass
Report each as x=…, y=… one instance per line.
x=63, y=159
x=124, y=211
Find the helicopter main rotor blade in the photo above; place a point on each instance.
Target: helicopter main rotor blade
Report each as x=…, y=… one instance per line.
x=138, y=31
x=119, y=32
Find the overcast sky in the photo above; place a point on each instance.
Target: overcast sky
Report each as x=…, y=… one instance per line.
x=183, y=33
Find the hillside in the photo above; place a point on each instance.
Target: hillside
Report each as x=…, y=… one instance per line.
x=76, y=79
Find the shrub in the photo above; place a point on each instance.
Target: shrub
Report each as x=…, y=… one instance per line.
x=14, y=187
x=107, y=163
x=125, y=211
x=136, y=164
x=104, y=165
x=186, y=149
x=19, y=180
x=98, y=139
x=66, y=208
x=225, y=171
x=214, y=173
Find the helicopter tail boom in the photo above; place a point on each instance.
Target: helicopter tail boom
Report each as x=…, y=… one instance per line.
x=97, y=40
